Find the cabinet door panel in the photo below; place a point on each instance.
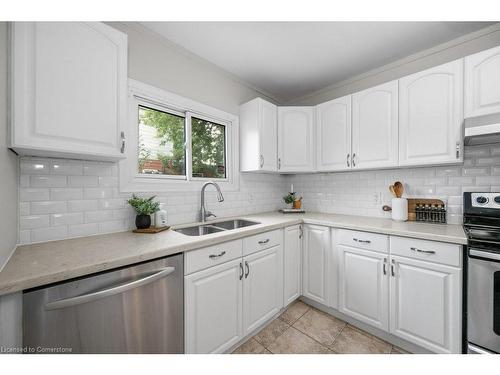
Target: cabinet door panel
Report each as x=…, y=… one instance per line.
x=295, y=139
x=268, y=137
x=482, y=83
x=213, y=302
x=425, y=304
x=333, y=136
x=262, y=287
x=315, y=281
x=431, y=116
x=375, y=127
x=69, y=88
x=363, y=286
x=292, y=255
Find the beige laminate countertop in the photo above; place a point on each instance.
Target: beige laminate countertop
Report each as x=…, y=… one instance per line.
x=45, y=263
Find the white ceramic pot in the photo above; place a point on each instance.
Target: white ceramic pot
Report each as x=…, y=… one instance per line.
x=399, y=209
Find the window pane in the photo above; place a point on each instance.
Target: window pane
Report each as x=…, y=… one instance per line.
x=208, y=148
x=161, y=142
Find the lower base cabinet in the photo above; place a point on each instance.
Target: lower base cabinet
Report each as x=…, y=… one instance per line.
x=364, y=286
x=226, y=302
x=292, y=259
x=426, y=304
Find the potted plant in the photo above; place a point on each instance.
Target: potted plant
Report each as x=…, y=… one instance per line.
x=144, y=207
x=289, y=198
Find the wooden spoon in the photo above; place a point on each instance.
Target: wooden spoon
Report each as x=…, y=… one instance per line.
x=398, y=189
x=391, y=189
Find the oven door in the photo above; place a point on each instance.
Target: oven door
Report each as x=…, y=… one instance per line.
x=484, y=299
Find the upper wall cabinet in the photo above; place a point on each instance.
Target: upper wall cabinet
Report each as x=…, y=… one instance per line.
x=375, y=127
x=258, y=129
x=69, y=89
x=482, y=83
x=431, y=116
x=333, y=135
x=295, y=139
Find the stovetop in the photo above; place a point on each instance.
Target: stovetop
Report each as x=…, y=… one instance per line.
x=482, y=220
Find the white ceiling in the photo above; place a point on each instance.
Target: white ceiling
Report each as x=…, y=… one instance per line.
x=291, y=59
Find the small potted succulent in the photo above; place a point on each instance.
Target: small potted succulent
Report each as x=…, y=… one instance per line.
x=144, y=207
x=290, y=198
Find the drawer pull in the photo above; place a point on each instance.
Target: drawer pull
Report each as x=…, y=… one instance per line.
x=241, y=270
x=384, y=266
x=263, y=242
x=248, y=269
x=393, y=274
x=214, y=256
x=362, y=241
x=422, y=251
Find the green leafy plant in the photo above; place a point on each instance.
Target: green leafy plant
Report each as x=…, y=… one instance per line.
x=289, y=198
x=144, y=206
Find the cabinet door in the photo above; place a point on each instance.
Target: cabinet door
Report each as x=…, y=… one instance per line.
x=431, y=116
x=315, y=283
x=262, y=287
x=364, y=286
x=69, y=89
x=375, y=127
x=292, y=258
x=213, y=308
x=482, y=83
x=426, y=304
x=333, y=135
x=268, y=137
x=295, y=139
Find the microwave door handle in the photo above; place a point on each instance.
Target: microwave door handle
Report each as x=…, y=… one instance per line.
x=78, y=300
x=485, y=255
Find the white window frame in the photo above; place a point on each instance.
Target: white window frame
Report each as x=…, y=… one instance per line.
x=155, y=98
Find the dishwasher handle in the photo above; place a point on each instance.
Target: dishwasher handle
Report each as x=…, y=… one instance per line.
x=78, y=300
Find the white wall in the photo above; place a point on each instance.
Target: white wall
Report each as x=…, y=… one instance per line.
x=8, y=165
x=466, y=45
x=158, y=62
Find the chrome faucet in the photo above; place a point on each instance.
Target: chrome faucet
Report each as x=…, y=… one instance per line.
x=203, y=211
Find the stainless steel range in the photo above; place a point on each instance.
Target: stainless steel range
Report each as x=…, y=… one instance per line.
x=482, y=226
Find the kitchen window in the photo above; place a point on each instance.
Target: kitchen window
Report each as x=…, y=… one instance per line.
x=176, y=143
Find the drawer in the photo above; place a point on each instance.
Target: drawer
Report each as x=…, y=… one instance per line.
x=432, y=251
x=196, y=260
x=262, y=241
x=364, y=240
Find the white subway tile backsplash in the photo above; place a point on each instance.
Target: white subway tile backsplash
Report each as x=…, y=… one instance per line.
x=24, y=237
x=113, y=226
x=24, y=208
x=30, y=166
x=66, y=194
x=79, y=230
x=31, y=195
x=98, y=216
x=67, y=168
x=48, y=181
x=96, y=193
x=67, y=218
x=49, y=207
x=33, y=221
x=97, y=169
x=83, y=181
x=82, y=205
x=24, y=181
x=49, y=234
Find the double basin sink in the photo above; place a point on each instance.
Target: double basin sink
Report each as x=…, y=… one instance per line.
x=221, y=226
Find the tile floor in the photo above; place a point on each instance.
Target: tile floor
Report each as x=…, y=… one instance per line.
x=302, y=329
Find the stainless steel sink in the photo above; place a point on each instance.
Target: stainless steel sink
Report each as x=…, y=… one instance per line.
x=203, y=229
x=234, y=224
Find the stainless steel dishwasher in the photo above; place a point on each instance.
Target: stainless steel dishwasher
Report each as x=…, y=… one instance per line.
x=137, y=309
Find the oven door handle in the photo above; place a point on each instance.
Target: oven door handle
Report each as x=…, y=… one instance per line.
x=486, y=255
x=73, y=301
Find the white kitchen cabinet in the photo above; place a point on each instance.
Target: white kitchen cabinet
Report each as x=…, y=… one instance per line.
x=482, y=83
x=316, y=255
x=258, y=134
x=69, y=89
x=426, y=304
x=292, y=260
x=431, y=116
x=375, y=127
x=364, y=285
x=295, y=139
x=214, y=308
x=262, y=287
x=333, y=135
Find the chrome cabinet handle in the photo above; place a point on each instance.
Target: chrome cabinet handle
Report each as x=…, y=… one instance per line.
x=354, y=159
x=247, y=268
x=213, y=256
x=392, y=268
x=422, y=251
x=241, y=271
x=122, y=149
x=301, y=231
x=384, y=266
x=362, y=241
x=263, y=242
x=348, y=164
x=458, y=150
x=279, y=163
x=73, y=301
x=261, y=161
